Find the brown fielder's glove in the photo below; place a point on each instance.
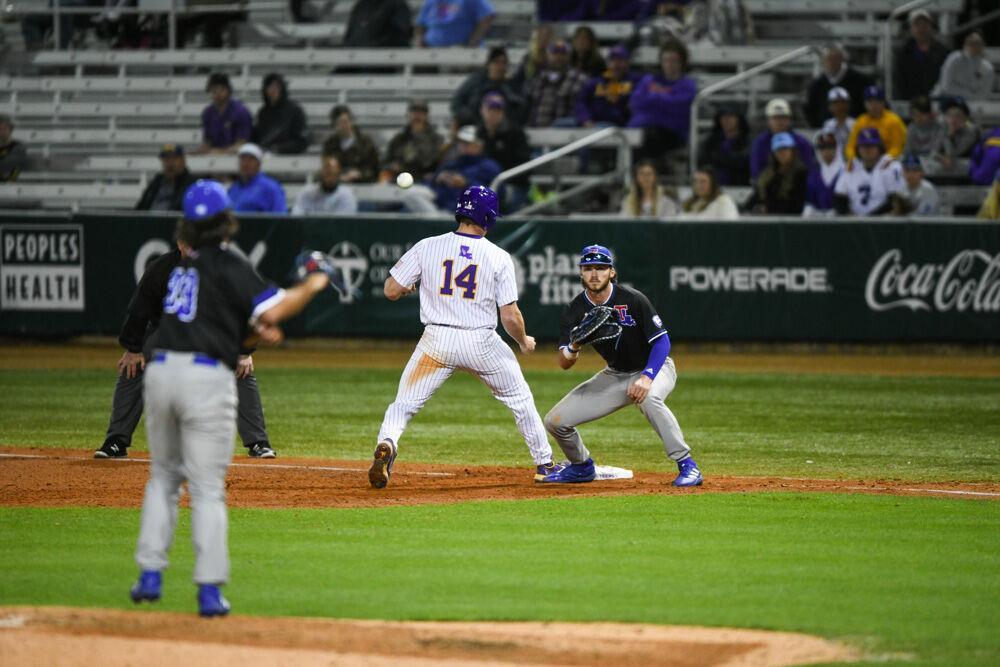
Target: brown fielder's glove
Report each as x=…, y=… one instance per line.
x=597, y=325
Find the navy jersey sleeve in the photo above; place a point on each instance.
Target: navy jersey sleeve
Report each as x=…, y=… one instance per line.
x=649, y=322
x=253, y=293
x=568, y=320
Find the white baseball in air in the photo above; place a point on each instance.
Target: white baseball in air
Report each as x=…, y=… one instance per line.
x=404, y=180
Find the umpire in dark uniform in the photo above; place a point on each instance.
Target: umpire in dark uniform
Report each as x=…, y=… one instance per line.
x=144, y=312
x=215, y=302
x=639, y=372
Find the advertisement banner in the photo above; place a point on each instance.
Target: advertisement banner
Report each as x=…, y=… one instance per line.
x=788, y=280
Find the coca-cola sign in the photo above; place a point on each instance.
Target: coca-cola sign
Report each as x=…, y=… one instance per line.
x=969, y=281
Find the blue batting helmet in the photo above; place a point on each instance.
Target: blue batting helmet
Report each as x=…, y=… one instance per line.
x=205, y=199
x=869, y=136
x=479, y=204
x=596, y=255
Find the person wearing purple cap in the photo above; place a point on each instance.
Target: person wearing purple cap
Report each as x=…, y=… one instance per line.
x=661, y=103
x=837, y=73
x=985, y=158
x=878, y=116
x=872, y=183
x=552, y=93
x=604, y=99
x=921, y=196
x=823, y=177
x=505, y=142
x=781, y=187
x=453, y=22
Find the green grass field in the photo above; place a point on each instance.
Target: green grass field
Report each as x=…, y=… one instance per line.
x=912, y=581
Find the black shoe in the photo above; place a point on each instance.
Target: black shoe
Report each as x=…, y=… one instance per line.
x=260, y=450
x=111, y=450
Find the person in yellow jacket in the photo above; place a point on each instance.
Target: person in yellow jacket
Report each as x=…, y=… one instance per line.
x=888, y=123
x=990, y=210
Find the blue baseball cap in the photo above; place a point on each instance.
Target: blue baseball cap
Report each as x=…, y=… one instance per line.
x=782, y=140
x=596, y=255
x=874, y=93
x=911, y=161
x=205, y=199
x=869, y=136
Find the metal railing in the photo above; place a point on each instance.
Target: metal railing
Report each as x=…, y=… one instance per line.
x=732, y=81
x=623, y=171
x=172, y=9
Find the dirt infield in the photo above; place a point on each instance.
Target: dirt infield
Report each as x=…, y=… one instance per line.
x=54, y=477
x=59, y=636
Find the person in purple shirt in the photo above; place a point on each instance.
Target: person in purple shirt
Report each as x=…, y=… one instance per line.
x=823, y=177
x=604, y=99
x=985, y=158
x=661, y=103
x=255, y=192
x=779, y=119
x=453, y=22
x=225, y=123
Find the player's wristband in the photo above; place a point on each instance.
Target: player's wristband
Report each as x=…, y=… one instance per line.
x=570, y=354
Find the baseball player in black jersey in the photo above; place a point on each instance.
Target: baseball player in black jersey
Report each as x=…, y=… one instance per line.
x=639, y=371
x=214, y=303
x=144, y=312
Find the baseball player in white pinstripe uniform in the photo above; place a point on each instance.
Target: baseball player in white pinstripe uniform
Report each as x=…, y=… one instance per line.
x=463, y=280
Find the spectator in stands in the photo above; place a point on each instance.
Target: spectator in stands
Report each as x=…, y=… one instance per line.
x=536, y=58
x=552, y=93
x=872, y=183
x=727, y=149
x=661, y=103
x=505, y=142
x=214, y=26
x=990, y=210
x=918, y=63
x=225, y=123
x=824, y=176
x=781, y=187
x=327, y=195
x=13, y=153
x=471, y=167
x=35, y=26
x=779, y=119
x=924, y=134
x=837, y=73
x=961, y=134
x=491, y=79
x=985, y=158
x=966, y=73
x=379, y=24
x=585, y=56
x=840, y=122
x=604, y=99
x=920, y=194
x=255, y=191
x=707, y=200
x=281, y=124
x=453, y=22
x=647, y=198
x=166, y=191
x=353, y=149
x=415, y=149
x=889, y=125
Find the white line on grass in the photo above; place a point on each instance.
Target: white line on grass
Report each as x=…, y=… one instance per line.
x=240, y=465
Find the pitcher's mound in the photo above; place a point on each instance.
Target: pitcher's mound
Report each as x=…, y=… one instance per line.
x=60, y=636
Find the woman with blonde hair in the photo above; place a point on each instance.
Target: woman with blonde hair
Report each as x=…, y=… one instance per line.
x=707, y=199
x=647, y=198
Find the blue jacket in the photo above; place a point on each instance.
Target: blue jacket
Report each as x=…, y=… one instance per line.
x=477, y=170
x=659, y=102
x=985, y=159
x=262, y=194
x=762, y=150
x=605, y=100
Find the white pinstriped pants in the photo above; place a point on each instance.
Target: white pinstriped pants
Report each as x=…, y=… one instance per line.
x=483, y=353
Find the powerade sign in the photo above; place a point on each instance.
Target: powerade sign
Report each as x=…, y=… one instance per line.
x=42, y=268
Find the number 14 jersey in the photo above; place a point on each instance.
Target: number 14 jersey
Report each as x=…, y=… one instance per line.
x=463, y=279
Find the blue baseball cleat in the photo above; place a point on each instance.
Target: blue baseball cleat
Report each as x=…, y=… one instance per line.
x=385, y=456
x=689, y=474
x=210, y=601
x=147, y=589
x=544, y=470
x=574, y=473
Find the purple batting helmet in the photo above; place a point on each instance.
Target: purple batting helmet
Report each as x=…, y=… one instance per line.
x=869, y=136
x=205, y=199
x=479, y=204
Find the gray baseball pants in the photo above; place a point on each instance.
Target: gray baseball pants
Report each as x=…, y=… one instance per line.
x=605, y=393
x=190, y=423
x=127, y=404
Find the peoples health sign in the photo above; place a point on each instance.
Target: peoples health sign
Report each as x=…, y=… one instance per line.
x=42, y=267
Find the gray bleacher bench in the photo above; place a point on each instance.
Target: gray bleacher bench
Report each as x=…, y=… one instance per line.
x=308, y=32
x=790, y=7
